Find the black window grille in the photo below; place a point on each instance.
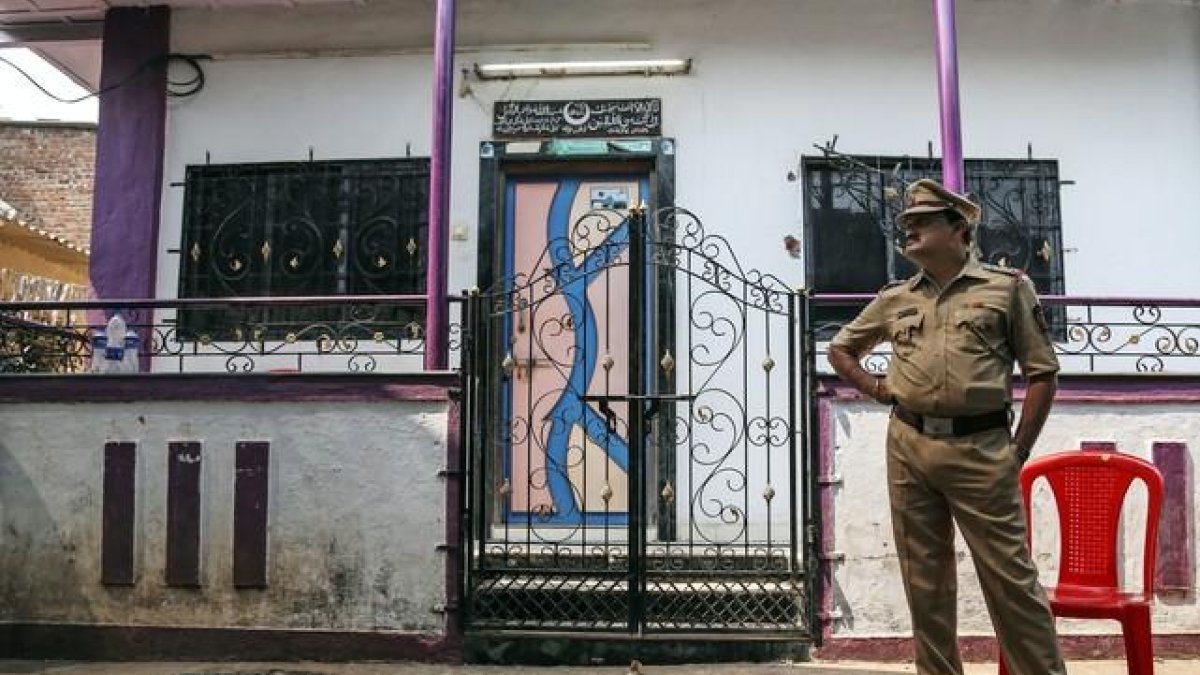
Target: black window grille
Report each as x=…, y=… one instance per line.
x=355, y=227
x=851, y=204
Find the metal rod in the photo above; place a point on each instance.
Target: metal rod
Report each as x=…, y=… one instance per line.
x=811, y=467
x=824, y=299
x=407, y=301
x=796, y=352
x=436, y=332
x=946, y=47
x=638, y=494
x=464, y=454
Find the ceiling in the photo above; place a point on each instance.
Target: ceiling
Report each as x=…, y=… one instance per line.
x=67, y=32
x=40, y=11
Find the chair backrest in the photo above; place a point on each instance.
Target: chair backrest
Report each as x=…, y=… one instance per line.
x=1089, y=490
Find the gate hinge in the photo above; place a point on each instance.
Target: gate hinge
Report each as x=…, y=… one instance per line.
x=455, y=393
x=831, y=479
x=442, y=548
x=450, y=473
x=444, y=608
x=833, y=556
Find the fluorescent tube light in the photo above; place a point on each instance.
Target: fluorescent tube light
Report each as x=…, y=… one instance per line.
x=504, y=71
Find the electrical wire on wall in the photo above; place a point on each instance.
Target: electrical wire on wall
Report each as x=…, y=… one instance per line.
x=175, y=88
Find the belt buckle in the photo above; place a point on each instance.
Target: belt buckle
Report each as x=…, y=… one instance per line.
x=937, y=426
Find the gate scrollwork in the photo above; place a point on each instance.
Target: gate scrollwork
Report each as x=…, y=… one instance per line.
x=638, y=445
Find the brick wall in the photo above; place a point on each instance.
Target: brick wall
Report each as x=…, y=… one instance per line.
x=46, y=173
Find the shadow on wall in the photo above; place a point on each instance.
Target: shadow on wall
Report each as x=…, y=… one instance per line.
x=40, y=565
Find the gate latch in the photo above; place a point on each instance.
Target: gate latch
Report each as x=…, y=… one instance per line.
x=651, y=410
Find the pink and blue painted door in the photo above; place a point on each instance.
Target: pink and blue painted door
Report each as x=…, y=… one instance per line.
x=566, y=459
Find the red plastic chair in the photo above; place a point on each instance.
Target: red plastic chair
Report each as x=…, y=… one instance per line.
x=1089, y=490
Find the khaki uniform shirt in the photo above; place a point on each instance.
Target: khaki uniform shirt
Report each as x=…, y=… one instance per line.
x=954, y=348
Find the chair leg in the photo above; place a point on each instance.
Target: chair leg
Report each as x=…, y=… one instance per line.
x=1139, y=648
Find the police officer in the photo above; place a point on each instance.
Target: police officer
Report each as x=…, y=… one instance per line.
x=956, y=327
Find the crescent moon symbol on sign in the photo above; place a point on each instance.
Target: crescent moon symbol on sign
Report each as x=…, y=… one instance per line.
x=576, y=120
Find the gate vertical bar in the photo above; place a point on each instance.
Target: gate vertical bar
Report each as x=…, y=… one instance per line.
x=661, y=243
x=810, y=468
x=468, y=372
x=485, y=420
x=637, y=435
x=794, y=382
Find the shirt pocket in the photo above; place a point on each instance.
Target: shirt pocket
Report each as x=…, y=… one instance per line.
x=983, y=329
x=906, y=334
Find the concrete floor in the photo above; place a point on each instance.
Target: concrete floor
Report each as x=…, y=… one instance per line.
x=1174, y=667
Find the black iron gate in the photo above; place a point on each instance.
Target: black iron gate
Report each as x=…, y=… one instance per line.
x=637, y=439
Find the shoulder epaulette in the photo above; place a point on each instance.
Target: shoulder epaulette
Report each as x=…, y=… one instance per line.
x=1010, y=271
x=892, y=284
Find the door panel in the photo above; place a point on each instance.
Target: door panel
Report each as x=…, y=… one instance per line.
x=567, y=460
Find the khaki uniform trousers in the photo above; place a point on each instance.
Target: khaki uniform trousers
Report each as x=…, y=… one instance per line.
x=974, y=481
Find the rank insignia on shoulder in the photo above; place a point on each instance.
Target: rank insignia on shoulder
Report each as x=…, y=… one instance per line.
x=892, y=284
x=1039, y=316
x=1010, y=271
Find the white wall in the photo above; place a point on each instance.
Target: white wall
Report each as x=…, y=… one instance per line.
x=355, y=512
x=867, y=589
x=1109, y=90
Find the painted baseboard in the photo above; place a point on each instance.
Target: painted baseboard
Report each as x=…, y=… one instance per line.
x=148, y=643
x=976, y=648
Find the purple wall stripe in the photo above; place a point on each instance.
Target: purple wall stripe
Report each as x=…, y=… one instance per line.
x=131, y=642
x=116, y=535
x=129, y=152
x=1112, y=389
x=250, y=505
x=272, y=388
x=826, y=581
x=1176, y=527
x=976, y=648
x=456, y=508
x=183, y=513
x=1098, y=446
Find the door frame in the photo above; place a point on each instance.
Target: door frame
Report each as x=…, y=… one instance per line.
x=500, y=160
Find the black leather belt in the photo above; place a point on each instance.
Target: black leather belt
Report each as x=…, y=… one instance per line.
x=952, y=426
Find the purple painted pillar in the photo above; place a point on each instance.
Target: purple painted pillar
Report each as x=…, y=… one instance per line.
x=129, y=152
x=436, y=333
x=1176, y=530
x=946, y=46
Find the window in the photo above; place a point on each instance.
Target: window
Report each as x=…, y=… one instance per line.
x=302, y=229
x=851, y=204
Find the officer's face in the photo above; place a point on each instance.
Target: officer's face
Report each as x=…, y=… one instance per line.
x=930, y=234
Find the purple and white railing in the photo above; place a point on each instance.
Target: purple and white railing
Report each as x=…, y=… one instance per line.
x=341, y=334
x=1092, y=335
x=386, y=334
